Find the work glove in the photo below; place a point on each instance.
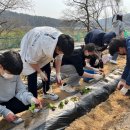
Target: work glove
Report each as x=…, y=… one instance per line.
x=36, y=105
x=96, y=70
x=96, y=62
x=58, y=78
x=43, y=76
x=124, y=90
x=97, y=76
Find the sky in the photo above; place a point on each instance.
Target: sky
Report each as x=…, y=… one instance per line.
x=48, y=8
x=54, y=8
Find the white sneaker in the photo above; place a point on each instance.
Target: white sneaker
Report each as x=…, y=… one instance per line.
x=67, y=88
x=98, y=76
x=113, y=61
x=51, y=96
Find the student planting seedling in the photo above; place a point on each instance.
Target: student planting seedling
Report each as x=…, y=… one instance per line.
x=39, y=47
x=76, y=67
x=14, y=97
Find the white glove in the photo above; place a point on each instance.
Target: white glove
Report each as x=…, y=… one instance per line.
x=59, y=57
x=124, y=90
x=121, y=84
x=43, y=76
x=96, y=62
x=37, y=102
x=87, y=64
x=58, y=78
x=97, y=76
x=96, y=70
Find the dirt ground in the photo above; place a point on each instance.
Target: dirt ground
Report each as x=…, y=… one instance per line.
x=113, y=114
x=89, y=122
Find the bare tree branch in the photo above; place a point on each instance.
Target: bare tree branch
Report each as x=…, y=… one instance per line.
x=6, y=5
x=89, y=12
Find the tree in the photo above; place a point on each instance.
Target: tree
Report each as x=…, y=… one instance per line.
x=12, y=5
x=89, y=12
x=115, y=6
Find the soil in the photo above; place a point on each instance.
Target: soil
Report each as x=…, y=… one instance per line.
x=113, y=114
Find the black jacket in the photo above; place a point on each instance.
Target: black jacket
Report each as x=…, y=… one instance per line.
x=77, y=59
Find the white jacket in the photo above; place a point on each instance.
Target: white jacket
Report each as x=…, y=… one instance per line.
x=37, y=47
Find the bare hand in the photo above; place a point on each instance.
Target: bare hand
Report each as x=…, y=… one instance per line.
x=10, y=117
x=121, y=84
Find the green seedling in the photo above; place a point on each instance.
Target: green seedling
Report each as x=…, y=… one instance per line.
x=66, y=101
x=74, y=99
x=85, y=91
x=51, y=106
x=61, y=105
x=32, y=107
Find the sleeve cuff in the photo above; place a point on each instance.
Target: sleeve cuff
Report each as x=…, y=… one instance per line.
x=6, y=112
x=29, y=99
x=123, y=80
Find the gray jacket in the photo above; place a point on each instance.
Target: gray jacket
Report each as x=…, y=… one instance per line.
x=10, y=88
x=117, y=26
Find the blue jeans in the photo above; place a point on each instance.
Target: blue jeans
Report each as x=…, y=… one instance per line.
x=90, y=72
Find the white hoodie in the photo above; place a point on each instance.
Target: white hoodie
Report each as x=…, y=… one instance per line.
x=37, y=47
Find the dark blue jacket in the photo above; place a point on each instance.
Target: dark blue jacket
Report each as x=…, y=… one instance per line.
x=126, y=73
x=95, y=36
x=99, y=38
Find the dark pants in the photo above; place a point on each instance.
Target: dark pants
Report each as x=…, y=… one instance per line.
x=32, y=81
x=15, y=105
x=92, y=63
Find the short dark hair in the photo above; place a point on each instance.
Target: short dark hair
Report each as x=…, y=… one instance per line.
x=90, y=47
x=65, y=44
x=115, y=44
x=11, y=61
x=119, y=17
